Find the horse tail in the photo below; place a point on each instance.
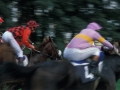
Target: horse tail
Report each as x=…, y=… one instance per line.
x=11, y=70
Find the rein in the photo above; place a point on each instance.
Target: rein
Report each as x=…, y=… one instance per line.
x=39, y=53
x=43, y=53
x=52, y=45
x=53, y=48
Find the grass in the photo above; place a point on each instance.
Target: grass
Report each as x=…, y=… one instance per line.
x=118, y=85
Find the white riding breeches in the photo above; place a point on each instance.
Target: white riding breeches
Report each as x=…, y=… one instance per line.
x=77, y=54
x=7, y=37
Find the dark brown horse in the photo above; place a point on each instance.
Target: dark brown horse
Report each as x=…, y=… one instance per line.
x=47, y=49
x=50, y=75
x=59, y=75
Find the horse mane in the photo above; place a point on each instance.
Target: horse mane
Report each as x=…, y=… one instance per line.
x=40, y=47
x=45, y=41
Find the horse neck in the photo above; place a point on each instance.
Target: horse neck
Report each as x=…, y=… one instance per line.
x=113, y=61
x=41, y=46
x=41, y=57
x=37, y=58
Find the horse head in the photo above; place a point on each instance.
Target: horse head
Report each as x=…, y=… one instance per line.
x=114, y=51
x=50, y=49
x=47, y=49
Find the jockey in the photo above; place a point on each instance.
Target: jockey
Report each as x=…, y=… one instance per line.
x=18, y=36
x=81, y=46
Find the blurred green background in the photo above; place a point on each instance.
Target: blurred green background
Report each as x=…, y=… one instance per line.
x=118, y=85
x=62, y=19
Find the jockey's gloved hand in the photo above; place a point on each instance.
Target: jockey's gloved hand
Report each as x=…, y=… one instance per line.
x=105, y=48
x=32, y=47
x=32, y=43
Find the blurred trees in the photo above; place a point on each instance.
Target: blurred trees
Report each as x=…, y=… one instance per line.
x=60, y=16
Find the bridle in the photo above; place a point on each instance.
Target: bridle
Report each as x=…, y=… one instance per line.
x=53, y=48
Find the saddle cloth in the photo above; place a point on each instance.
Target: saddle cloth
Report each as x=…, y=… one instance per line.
x=83, y=69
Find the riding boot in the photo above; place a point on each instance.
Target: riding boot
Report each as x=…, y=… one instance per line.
x=20, y=61
x=94, y=68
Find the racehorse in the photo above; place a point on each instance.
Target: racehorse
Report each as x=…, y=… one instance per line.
x=47, y=49
x=60, y=75
x=110, y=72
x=51, y=75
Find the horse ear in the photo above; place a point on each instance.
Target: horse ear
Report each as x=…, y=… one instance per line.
x=50, y=38
x=45, y=39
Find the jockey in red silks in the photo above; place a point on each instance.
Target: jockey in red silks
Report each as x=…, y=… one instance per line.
x=81, y=46
x=18, y=36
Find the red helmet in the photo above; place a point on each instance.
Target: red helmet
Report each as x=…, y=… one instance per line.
x=32, y=24
x=1, y=20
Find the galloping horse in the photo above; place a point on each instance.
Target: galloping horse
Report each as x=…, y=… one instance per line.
x=47, y=49
x=110, y=72
x=60, y=75
x=50, y=75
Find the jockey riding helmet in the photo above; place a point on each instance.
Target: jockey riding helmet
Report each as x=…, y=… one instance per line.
x=32, y=24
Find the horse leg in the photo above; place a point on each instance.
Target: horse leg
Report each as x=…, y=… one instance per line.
x=110, y=81
x=111, y=86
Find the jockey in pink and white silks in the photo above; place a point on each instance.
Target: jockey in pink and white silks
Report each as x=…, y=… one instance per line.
x=81, y=46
